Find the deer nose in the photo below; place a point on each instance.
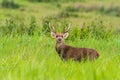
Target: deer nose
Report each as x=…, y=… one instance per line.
x=59, y=39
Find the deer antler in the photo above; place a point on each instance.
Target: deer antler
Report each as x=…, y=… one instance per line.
x=53, y=29
x=68, y=28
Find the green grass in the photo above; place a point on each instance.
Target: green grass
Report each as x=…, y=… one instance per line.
x=33, y=58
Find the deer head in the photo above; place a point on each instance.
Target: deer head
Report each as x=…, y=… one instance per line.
x=60, y=36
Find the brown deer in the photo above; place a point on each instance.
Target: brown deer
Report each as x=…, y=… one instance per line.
x=68, y=52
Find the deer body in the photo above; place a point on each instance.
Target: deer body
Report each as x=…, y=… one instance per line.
x=68, y=52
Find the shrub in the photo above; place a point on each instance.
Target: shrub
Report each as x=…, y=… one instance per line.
x=33, y=26
x=14, y=26
x=72, y=9
x=65, y=14
x=74, y=33
x=56, y=0
x=43, y=0
x=9, y=4
x=95, y=29
x=111, y=10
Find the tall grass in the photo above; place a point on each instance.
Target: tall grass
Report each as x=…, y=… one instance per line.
x=31, y=58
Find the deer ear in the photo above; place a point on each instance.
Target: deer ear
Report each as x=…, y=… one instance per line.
x=65, y=35
x=53, y=34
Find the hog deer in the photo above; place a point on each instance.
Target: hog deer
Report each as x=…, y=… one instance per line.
x=67, y=52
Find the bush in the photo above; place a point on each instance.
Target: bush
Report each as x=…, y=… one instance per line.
x=95, y=29
x=74, y=33
x=9, y=4
x=15, y=26
x=65, y=14
x=72, y=9
x=98, y=30
x=33, y=26
x=111, y=10
x=56, y=0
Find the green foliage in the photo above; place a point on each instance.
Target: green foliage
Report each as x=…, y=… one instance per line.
x=33, y=26
x=43, y=0
x=95, y=29
x=72, y=9
x=111, y=10
x=69, y=11
x=45, y=25
x=66, y=14
x=74, y=33
x=56, y=0
x=17, y=26
x=9, y=4
x=9, y=28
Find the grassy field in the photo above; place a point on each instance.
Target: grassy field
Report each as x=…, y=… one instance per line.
x=26, y=57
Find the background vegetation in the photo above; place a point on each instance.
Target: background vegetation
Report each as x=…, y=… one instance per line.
x=27, y=50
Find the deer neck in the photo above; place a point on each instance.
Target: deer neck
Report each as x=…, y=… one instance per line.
x=60, y=47
x=60, y=44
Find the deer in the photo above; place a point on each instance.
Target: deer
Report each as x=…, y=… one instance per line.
x=67, y=52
